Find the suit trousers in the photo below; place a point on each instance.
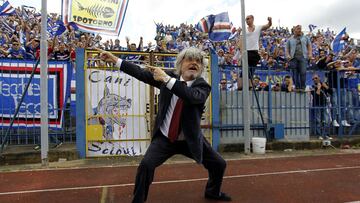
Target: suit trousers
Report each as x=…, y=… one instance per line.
x=160, y=150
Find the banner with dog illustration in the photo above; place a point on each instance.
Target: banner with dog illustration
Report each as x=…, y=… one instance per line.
x=99, y=16
x=117, y=121
x=15, y=75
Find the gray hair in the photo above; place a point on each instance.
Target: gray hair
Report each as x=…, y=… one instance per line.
x=192, y=54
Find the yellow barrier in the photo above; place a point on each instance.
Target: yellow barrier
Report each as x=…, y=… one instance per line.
x=120, y=110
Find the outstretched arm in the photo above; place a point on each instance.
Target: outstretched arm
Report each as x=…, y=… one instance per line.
x=153, y=76
x=268, y=25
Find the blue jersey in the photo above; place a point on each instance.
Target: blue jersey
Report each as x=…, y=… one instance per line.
x=17, y=53
x=31, y=52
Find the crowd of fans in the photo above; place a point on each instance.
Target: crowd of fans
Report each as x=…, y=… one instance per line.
x=323, y=90
x=20, y=38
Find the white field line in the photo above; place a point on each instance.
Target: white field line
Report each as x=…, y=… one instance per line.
x=181, y=181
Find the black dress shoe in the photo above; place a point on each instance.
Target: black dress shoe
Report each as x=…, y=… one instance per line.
x=221, y=197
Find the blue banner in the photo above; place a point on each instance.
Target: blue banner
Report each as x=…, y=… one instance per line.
x=15, y=75
x=275, y=76
x=11, y=89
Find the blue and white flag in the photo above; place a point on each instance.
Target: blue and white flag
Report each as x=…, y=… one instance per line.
x=6, y=9
x=338, y=43
x=56, y=29
x=312, y=27
x=73, y=25
x=218, y=26
x=234, y=32
x=7, y=28
x=205, y=24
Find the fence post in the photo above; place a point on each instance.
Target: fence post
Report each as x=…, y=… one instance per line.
x=338, y=92
x=215, y=96
x=80, y=103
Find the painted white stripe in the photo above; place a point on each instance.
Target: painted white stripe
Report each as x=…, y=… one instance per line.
x=182, y=181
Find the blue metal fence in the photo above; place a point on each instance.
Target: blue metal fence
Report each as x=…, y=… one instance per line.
x=291, y=116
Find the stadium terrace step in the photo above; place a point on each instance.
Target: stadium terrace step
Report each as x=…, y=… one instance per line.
x=282, y=145
x=27, y=155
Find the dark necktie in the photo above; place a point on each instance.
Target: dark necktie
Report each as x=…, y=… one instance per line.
x=174, y=128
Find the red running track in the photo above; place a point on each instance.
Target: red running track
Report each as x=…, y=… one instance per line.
x=329, y=178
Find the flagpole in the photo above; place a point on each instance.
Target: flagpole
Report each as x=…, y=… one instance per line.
x=245, y=79
x=44, y=86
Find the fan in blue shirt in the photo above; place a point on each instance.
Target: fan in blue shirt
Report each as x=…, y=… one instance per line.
x=16, y=51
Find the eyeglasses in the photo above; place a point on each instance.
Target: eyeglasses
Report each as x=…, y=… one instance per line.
x=315, y=78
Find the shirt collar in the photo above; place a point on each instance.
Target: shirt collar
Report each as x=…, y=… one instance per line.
x=188, y=83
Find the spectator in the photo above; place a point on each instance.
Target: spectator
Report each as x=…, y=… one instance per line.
x=271, y=63
x=16, y=51
x=333, y=76
x=221, y=57
x=116, y=46
x=172, y=47
x=287, y=85
x=320, y=92
x=62, y=54
x=298, y=52
x=228, y=59
x=32, y=47
x=223, y=84
x=323, y=60
x=132, y=46
x=276, y=87
x=3, y=51
x=258, y=85
x=281, y=59
x=252, y=43
x=168, y=37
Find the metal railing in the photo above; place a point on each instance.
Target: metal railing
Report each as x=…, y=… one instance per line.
x=295, y=115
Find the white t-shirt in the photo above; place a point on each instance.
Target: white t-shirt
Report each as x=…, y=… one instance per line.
x=168, y=38
x=252, y=38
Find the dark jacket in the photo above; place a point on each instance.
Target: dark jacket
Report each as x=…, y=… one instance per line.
x=194, y=101
x=320, y=100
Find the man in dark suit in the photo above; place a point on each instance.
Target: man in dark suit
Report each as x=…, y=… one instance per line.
x=177, y=127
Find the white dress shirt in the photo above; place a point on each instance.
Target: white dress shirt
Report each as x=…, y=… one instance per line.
x=166, y=123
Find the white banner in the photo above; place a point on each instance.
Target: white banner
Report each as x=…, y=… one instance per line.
x=99, y=16
x=117, y=103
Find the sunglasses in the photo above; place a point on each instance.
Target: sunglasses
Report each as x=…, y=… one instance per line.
x=315, y=78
